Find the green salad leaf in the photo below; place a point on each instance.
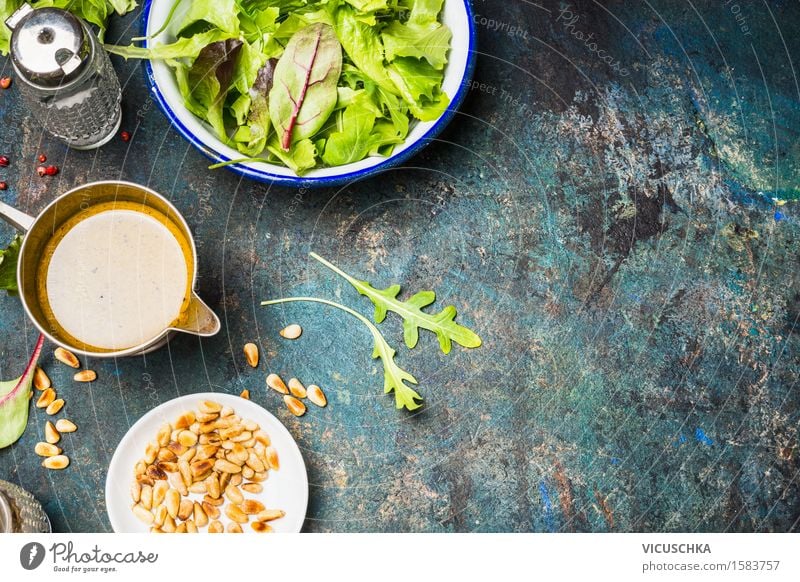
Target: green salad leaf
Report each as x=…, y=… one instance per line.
x=8, y=265
x=251, y=137
x=302, y=155
x=183, y=48
x=199, y=15
x=304, y=94
x=14, y=397
x=394, y=377
x=442, y=324
x=208, y=81
x=352, y=76
x=423, y=42
x=353, y=139
x=363, y=46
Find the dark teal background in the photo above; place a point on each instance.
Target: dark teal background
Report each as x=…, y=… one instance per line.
x=608, y=222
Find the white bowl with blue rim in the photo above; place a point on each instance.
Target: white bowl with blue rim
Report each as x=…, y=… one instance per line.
x=456, y=14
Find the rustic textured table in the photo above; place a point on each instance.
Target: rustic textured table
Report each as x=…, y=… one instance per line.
x=606, y=210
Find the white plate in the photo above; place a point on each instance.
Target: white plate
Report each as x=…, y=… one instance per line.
x=286, y=489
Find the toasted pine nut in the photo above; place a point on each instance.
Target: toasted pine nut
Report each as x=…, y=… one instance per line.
x=251, y=354
x=67, y=357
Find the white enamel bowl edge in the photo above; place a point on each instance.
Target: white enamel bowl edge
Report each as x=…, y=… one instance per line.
x=457, y=14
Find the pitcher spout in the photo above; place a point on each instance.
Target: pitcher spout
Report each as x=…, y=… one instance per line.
x=198, y=319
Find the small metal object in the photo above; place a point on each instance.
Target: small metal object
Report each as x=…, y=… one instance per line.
x=65, y=76
x=20, y=512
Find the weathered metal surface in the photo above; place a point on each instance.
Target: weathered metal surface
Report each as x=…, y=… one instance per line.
x=604, y=219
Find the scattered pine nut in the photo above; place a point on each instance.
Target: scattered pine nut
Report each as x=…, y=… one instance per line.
x=40, y=380
x=55, y=406
x=296, y=388
x=46, y=398
x=67, y=357
x=64, y=425
x=294, y=405
x=276, y=383
x=51, y=435
x=292, y=331
x=46, y=450
x=58, y=462
x=85, y=376
x=245, y=394
x=251, y=354
x=317, y=396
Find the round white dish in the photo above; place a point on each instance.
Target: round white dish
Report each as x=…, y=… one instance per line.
x=457, y=14
x=285, y=489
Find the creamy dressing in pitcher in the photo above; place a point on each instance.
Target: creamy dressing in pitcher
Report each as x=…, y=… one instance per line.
x=115, y=276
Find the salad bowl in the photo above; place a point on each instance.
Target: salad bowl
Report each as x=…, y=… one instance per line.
x=164, y=89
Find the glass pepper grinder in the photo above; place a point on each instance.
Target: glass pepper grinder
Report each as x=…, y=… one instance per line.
x=65, y=76
x=20, y=512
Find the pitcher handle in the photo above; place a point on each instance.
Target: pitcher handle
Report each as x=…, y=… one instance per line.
x=15, y=218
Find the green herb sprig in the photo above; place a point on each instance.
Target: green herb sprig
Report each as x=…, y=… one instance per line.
x=385, y=300
x=395, y=377
x=442, y=324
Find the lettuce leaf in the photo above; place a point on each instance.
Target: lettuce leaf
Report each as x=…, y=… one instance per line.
x=251, y=138
x=14, y=397
x=257, y=22
x=200, y=14
x=208, y=81
x=353, y=140
x=424, y=12
x=430, y=42
x=302, y=155
x=8, y=265
x=392, y=69
x=363, y=45
x=420, y=86
x=368, y=5
x=183, y=48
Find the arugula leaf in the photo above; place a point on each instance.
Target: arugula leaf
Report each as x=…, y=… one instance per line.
x=14, y=401
x=395, y=377
x=352, y=141
x=8, y=265
x=304, y=92
x=442, y=323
